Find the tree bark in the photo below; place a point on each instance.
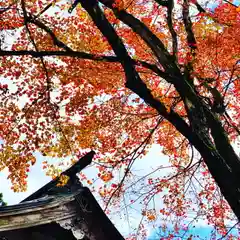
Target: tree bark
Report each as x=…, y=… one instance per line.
x=219, y=156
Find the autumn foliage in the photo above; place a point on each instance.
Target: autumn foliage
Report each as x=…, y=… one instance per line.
x=119, y=77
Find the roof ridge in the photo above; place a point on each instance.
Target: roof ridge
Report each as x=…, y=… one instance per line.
x=70, y=172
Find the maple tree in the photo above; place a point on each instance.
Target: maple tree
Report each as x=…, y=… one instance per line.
x=118, y=77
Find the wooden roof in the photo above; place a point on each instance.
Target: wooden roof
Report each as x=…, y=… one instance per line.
x=70, y=210
x=51, y=187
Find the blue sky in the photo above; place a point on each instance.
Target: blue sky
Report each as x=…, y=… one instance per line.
x=236, y=2
x=213, y=5
x=197, y=233
x=202, y=232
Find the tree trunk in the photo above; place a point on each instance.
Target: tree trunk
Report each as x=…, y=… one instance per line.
x=219, y=156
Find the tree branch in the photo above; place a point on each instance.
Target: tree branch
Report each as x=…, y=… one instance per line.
x=188, y=26
x=82, y=55
x=3, y=10
x=200, y=140
x=156, y=45
x=199, y=7
x=41, y=25
x=171, y=29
